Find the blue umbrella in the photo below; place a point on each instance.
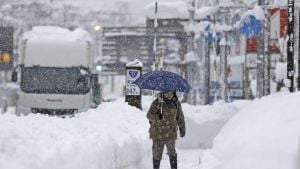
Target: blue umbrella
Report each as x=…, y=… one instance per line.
x=163, y=81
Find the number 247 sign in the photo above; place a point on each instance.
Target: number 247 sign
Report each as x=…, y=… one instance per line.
x=131, y=76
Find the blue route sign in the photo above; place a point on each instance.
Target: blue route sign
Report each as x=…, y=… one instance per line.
x=251, y=27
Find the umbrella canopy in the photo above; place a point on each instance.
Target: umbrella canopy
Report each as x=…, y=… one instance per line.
x=163, y=81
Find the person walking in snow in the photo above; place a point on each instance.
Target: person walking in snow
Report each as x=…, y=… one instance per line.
x=165, y=116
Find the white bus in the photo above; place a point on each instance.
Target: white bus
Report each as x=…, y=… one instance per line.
x=56, y=72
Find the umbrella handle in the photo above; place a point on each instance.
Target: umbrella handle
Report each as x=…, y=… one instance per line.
x=161, y=112
x=161, y=108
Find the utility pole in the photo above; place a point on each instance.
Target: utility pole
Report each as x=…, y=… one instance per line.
x=51, y=11
x=206, y=69
x=298, y=52
x=290, y=44
x=224, y=71
x=260, y=59
x=191, y=97
x=267, y=59
x=155, y=41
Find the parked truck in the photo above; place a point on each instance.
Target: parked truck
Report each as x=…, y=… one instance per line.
x=56, y=72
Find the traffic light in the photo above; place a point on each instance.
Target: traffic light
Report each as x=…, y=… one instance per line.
x=6, y=58
x=6, y=48
x=6, y=61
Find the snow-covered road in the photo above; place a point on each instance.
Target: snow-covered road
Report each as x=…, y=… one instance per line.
x=187, y=159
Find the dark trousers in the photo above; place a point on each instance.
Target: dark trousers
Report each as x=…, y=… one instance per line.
x=158, y=148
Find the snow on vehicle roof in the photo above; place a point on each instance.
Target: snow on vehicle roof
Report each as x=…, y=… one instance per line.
x=172, y=9
x=56, y=33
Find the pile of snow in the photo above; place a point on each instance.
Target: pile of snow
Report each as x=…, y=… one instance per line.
x=263, y=135
x=40, y=33
x=165, y=9
x=135, y=63
x=109, y=137
x=203, y=123
x=113, y=136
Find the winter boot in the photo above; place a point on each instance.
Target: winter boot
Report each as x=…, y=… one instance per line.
x=173, y=161
x=156, y=164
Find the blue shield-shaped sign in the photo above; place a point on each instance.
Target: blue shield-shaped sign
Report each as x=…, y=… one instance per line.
x=133, y=73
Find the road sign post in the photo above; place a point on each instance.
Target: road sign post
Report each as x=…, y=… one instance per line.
x=290, y=45
x=133, y=92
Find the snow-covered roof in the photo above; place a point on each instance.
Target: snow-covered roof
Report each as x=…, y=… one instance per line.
x=257, y=11
x=225, y=3
x=124, y=34
x=42, y=33
x=167, y=9
x=203, y=12
x=47, y=45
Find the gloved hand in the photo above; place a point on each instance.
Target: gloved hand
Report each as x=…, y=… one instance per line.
x=182, y=133
x=160, y=116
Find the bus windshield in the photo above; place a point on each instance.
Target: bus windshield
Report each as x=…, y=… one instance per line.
x=49, y=80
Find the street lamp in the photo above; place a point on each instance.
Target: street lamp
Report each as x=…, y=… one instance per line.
x=97, y=28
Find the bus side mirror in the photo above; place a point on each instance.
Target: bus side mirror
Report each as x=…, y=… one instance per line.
x=14, y=77
x=95, y=80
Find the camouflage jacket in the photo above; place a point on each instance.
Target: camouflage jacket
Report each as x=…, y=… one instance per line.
x=165, y=127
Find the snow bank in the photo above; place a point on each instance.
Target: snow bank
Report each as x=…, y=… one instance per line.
x=263, y=135
x=112, y=136
x=203, y=123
